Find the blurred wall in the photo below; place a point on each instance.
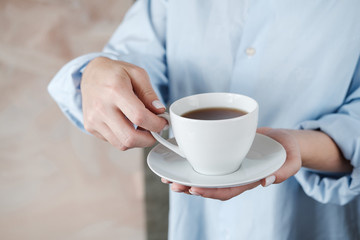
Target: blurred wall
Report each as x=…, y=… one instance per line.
x=55, y=181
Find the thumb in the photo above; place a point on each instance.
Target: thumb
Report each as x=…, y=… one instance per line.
x=293, y=157
x=263, y=130
x=144, y=91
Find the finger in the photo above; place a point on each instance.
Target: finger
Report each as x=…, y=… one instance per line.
x=98, y=135
x=143, y=89
x=125, y=133
x=222, y=194
x=165, y=181
x=291, y=166
x=137, y=113
x=293, y=158
x=94, y=126
x=176, y=187
x=110, y=137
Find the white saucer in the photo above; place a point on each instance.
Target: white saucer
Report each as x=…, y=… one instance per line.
x=264, y=158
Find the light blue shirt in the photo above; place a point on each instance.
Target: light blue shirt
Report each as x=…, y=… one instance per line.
x=298, y=59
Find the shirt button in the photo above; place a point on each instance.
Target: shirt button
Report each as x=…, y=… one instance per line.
x=250, y=51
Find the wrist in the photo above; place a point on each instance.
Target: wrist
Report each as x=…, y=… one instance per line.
x=318, y=151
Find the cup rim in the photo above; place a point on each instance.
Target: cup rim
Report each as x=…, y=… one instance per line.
x=255, y=109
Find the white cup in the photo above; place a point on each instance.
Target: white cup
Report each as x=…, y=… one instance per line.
x=212, y=147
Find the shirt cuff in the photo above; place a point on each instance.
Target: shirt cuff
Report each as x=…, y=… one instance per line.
x=329, y=188
x=334, y=188
x=64, y=88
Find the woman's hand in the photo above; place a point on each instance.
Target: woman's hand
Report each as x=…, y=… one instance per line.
x=291, y=166
x=115, y=96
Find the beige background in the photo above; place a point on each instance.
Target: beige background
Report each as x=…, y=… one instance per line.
x=55, y=181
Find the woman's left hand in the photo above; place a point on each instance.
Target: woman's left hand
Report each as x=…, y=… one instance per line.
x=291, y=166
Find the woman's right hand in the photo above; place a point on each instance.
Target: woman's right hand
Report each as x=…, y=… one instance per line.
x=115, y=96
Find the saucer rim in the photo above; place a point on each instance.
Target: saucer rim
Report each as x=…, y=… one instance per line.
x=259, y=176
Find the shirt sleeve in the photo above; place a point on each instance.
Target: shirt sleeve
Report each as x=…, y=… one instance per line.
x=343, y=127
x=140, y=40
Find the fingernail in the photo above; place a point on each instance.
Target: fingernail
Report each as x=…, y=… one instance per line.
x=192, y=192
x=175, y=189
x=157, y=104
x=165, y=181
x=269, y=180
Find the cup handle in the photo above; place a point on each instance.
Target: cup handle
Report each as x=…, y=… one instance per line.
x=163, y=141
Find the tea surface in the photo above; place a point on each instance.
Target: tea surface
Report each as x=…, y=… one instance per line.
x=214, y=113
